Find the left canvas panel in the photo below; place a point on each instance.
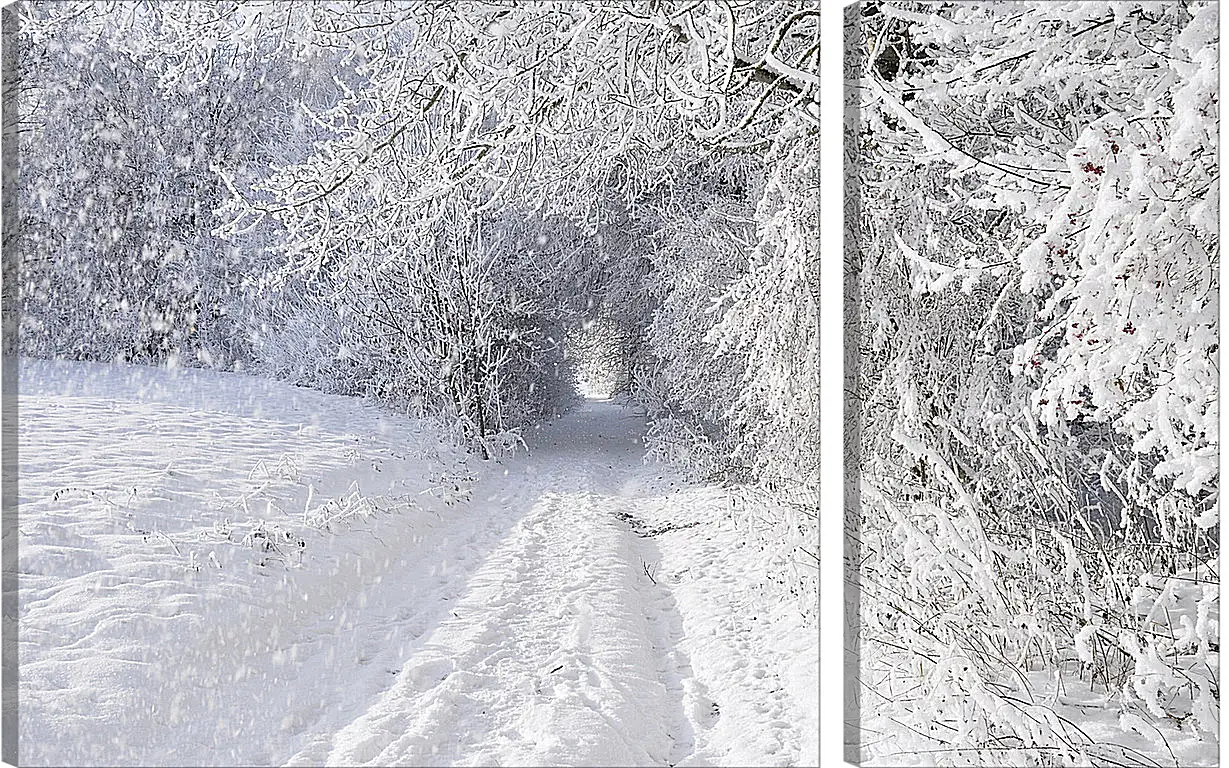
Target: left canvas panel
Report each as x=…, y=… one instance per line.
x=411, y=383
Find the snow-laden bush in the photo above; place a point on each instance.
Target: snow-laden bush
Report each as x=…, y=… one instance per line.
x=1035, y=269
x=729, y=369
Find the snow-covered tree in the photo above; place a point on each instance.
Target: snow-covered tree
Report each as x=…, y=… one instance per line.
x=116, y=190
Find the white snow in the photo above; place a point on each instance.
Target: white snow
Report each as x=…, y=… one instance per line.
x=217, y=569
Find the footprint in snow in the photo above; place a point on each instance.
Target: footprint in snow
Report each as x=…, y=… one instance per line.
x=427, y=674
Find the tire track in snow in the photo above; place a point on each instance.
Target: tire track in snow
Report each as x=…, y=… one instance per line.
x=697, y=711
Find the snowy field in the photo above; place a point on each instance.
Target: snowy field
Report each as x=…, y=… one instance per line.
x=220, y=570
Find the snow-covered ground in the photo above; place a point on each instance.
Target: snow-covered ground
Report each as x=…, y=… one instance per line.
x=218, y=569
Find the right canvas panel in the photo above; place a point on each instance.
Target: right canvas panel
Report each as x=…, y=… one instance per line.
x=1032, y=333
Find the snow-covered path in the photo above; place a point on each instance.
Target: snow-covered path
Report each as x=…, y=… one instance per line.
x=531, y=625
x=553, y=652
